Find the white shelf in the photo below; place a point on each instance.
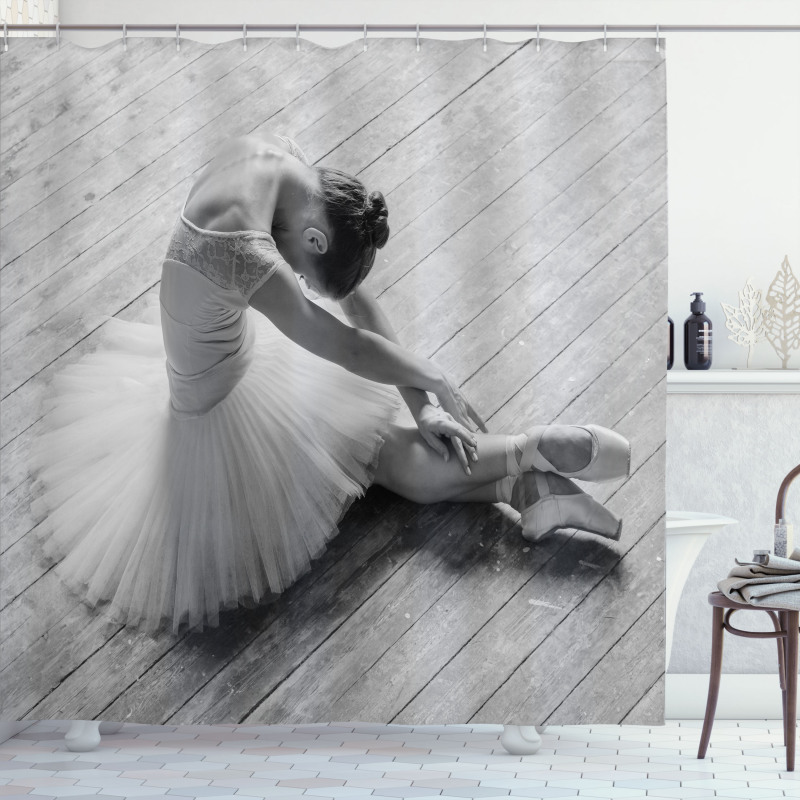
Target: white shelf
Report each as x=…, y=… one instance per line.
x=734, y=381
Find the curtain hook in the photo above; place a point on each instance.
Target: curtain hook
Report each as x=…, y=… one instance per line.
x=58, y=35
x=177, y=37
x=124, y=37
x=484, y=37
x=658, y=41
x=297, y=37
x=538, y=46
x=365, y=37
x=244, y=37
x=5, y=35
x=418, y=37
x=605, y=38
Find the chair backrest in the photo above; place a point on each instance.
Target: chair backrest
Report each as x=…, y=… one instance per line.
x=780, y=505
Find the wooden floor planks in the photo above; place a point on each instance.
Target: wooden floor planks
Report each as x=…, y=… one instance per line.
x=527, y=196
x=27, y=71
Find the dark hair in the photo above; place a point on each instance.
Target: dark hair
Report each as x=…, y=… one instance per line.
x=360, y=227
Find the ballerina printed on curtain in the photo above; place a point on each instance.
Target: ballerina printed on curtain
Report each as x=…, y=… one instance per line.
x=229, y=490
x=192, y=476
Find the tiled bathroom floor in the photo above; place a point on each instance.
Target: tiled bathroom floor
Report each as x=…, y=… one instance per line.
x=352, y=760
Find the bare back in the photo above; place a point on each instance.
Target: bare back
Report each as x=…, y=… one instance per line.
x=239, y=187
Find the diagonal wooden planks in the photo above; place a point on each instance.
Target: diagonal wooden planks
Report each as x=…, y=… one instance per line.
x=636, y=655
x=651, y=706
x=546, y=676
x=28, y=67
x=560, y=244
x=462, y=202
x=59, y=93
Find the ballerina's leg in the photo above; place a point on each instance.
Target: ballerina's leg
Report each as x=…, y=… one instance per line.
x=410, y=468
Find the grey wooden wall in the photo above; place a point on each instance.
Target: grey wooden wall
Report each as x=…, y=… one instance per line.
x=527, y=196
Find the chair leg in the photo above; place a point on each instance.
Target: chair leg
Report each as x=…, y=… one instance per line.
x=790, y=717
x=717, y=632
x=783, y=625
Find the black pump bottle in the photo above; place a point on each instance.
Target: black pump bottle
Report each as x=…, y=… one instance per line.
x=697, y=336
x=671, y=353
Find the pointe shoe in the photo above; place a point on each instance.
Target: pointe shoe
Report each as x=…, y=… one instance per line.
x=611, y=455
x=553, y=511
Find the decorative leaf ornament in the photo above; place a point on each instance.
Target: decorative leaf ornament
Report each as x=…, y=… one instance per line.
x=747, y=323
x=783, y=325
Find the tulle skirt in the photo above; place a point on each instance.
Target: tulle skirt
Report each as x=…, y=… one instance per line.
x=163, y=522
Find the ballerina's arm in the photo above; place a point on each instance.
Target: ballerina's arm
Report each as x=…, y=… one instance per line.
x=359, y=351
x=362, y=310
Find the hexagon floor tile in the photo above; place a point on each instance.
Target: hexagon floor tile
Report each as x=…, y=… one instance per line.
x=430, y=762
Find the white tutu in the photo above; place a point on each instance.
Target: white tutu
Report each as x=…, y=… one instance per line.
x=165, y=521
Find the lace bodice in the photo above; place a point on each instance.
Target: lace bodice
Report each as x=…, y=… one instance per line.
x=241, y=260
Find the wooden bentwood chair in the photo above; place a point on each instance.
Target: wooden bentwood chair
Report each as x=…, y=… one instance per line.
x=785, y=623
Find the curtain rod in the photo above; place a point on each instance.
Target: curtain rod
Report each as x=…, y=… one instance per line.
x=421, y=28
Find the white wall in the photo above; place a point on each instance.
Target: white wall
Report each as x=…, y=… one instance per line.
x=734, y=194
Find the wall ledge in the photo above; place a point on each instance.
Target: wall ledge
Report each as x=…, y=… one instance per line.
x=734, y=381
x=750, y=696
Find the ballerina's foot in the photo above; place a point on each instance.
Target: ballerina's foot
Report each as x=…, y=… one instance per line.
x=586, y=452
x=548, y=502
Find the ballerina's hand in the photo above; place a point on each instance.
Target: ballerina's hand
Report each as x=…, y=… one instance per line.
x=435, y=425
x=452, y=401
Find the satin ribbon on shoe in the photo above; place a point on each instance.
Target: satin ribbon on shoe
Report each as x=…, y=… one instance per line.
x=610, y=458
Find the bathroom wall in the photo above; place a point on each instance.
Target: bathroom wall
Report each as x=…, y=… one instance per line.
x=727, y=454
x=734, y=183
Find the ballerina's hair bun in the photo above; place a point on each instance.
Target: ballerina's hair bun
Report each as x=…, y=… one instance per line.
x=360, y=225
x=376, y=219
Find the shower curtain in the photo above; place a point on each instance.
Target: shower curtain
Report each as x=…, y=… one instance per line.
x=526, y=190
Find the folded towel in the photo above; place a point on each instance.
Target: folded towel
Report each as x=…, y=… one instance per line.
x=775, y=584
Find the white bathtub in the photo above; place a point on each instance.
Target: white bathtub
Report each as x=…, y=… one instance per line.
x=687, y=532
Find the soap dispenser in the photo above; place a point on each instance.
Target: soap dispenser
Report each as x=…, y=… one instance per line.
x=671, y=351
x=697, y=336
